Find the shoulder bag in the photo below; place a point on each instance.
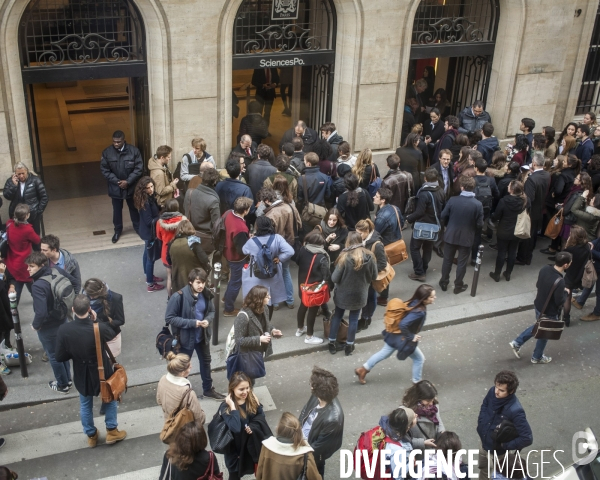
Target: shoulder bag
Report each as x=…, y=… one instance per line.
x=555, y=225
x=303, y=475
x=523, y=225
x=116, y=385
x=251, y=363
x=312, y=214
x=219, y=434
x=589, y=274
x=314, y=294
x=179, y=417
x=546, y=328
x=385, y=277
x=210, y=470
x=396, y=251
x=374, y=182
x=427, y=231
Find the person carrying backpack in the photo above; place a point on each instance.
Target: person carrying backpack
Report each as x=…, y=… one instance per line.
x=52, y=302
x=267, y=251
x=403, y=322
x=486, y=191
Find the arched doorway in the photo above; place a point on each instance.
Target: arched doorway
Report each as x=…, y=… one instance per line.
x=457, y=39
x=84, y=73
x=292, y=42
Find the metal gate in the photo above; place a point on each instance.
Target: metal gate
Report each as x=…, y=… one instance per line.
x=589, y=93
x=320, y=99
x=470, y=80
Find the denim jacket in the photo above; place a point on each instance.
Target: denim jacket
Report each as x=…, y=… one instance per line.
x=386, y=224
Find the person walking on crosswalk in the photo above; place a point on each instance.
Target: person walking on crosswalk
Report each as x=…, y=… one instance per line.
x=76, y=341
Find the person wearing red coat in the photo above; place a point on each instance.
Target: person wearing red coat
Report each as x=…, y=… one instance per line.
x=166, y=227
x=21, y=239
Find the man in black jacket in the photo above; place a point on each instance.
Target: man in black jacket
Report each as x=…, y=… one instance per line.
x=23, y=187
x=445, y=171
x=486, y=191
x=308, y=135
x=547, y=278
x=247, y=148
x=329, y=132
x=260, y=169
x=47, y=318
x=462, y=216
x=59, y=257
x=122, y=166
x=322, y=418
x=430, y=203
x=265, y=80
x=76, y=341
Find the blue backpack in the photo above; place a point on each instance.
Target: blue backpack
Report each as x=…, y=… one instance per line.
x=262, y=264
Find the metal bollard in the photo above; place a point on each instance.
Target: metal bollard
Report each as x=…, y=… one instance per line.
x=476, y=273
x=217, y=276
x=17, y=326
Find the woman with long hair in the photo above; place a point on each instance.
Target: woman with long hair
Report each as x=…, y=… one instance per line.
x=244, y=416
x=520, y=149
x=283, y=456
x=568, y=145
x=499, y=166
x=551, y=144
x=108, y=306
x=363, y=168
x=433, y=131
x=184, y=254
x=282, y=187
x=355, y=203
x=445, y=443
x=166, y=228
x=406, y=341
x=456, y=148
x=578, y=246
x=507, y=211
x=333, y=227
x=345, y=154
x=187, y=457
x=570, y=130
x=440, y=101
x=581, y=184
x=355, y=270
x=313, y=268
x=411, y=158
x=422, y=399
x=144, y=200
x=465, y=167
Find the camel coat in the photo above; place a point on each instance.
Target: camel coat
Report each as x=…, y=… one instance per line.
x=169, y=393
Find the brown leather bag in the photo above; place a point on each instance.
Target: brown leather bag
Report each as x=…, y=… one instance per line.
x=179, y=417
x=548, y=328
x=555, y=225
x=342, y=334
x=385, y=277
x=396, y=252
x=116, y=385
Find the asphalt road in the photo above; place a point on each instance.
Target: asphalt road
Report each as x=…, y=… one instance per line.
x=559, y=398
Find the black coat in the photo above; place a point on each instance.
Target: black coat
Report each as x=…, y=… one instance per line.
x=115, y=311
x=254, y=125
x=434, y=132
x=321, y=268
x=574, y=274
x=258, y=172
x=34, y=195
x=425, y=212
x=504, y=183
x=327, y=430
x=116, y=165
x=536, y=189
x=365, y=181
x=75, y=341
x=6, y=323
x=411, y=161
x=149, y=214
x=562, y=185
x=43, y=299
x=507, y=211
x=247, y=158
x=462, y=215
x=361, y=211
x=438, y=167
x=309, y=137
x=259, y=78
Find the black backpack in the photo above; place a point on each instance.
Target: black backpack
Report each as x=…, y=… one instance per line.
x=263, y=266
x=483, y=193
x=504, y=432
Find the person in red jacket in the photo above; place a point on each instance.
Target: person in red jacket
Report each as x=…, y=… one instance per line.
x=21, y=239
x=166, y=228
x=236, y=236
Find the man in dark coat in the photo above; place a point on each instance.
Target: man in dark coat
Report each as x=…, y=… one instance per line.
x=247, y=148
x=401, y=183
x=445, y=171
x=308, y=135
x=488, y=145
x=260, y=169
x=24, y=187
x=473, y=118
x=122, y=166
x=501, y=403
x=202, y=207
x=329, y=132
x=253, y=124
x=447, y=139
x=318, y=185
x=265, y=80
x=190, y=312
x=232, y=188
x=462, y=216
x=76, y=341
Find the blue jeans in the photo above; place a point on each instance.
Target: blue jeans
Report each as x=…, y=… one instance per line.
x=336, y=320
x=203, y=351
x=417, y=357
x=62, y=370
x=527, y=334
x=369, y=309
x=86, y=406
x=287, y=281
x=148, y=265
x=234, y=285
x=586, y=293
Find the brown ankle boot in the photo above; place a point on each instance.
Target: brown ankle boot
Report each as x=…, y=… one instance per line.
x=93, y=440
x=361, y=373
x=114, y=436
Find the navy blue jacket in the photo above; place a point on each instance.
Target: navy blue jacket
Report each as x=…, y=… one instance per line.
x=124, y=164
x=181, y=315
x=584, y=151
x=410, y=325
x=487, y=147
x=229, y=190
x=489, y=419
x=462, y=215
x=148, y=216
x=318, y=186
x=386, y=224
x=43, y=299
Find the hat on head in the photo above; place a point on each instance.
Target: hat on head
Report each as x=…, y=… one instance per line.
x=410, y=414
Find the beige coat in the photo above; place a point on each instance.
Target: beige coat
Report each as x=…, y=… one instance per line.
x=284, y=215
x=280, y=461
x=162, y=178
x=169, y=393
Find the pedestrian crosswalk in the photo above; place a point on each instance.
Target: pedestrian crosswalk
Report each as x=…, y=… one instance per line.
x=54, y=441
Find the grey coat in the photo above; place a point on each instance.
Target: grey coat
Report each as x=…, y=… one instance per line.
x=202, y=208
x=352, y=286
x=431, y=431
x=247, y=330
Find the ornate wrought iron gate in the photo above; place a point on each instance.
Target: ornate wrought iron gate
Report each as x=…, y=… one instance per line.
x=470, y=81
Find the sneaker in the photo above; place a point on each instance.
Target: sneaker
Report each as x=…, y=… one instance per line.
x=115, y=435
x=544, y=359
x=300, y=331
x=233, y=313
x=157, y=279
x=70, y=384
x=155, y=287
x=54, y=386
x=212, y=393
x=417, y=278
x=515, y=349
x=313, y=340
x=4, y=370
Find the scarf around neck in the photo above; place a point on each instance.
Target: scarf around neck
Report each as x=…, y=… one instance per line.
x=316, y=249
x=327, y=230
x=429, y=412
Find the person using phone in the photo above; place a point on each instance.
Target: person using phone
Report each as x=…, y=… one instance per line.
x=166, y=185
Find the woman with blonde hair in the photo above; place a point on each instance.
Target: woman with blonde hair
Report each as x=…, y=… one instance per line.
x=355, y=269
x=174, y=388
x=284, y=456
x=363, y=168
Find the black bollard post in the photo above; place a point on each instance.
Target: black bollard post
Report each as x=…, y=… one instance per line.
x=215, y=329
x=17, y=326
x=476, y=273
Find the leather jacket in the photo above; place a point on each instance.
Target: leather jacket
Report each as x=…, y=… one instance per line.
x=402, y=186
x=327, y=430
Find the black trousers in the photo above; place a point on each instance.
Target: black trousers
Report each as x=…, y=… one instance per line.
x=421, y=261
x=506, y=246
x=527, y=246
x=310, y=320
x=461, y=268
x=117, y=204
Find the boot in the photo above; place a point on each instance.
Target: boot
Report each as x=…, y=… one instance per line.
x=349, y=349
x=362, y=325
x=567, y=320
x=93, y=440
x=590, y=318
x=114, y=436
x=332, y=348
x=495, y=276
x=361, y=373
x=507, y=276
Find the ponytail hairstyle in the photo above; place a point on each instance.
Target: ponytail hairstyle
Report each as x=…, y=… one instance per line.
x=367, y=226
x=96, y=288
x=516, y=188
x=351, y=184
x=290, y=427
x=21, y=214
x=177, y=363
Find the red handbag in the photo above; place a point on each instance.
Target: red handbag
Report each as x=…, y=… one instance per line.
x=314, y=294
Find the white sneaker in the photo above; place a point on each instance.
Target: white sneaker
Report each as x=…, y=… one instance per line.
x=544, y=359
x=515, y=349
x=313, y=340
x=300, y=332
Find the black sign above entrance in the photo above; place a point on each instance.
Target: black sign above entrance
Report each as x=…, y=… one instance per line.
x=283, y=60
x=284, y=10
